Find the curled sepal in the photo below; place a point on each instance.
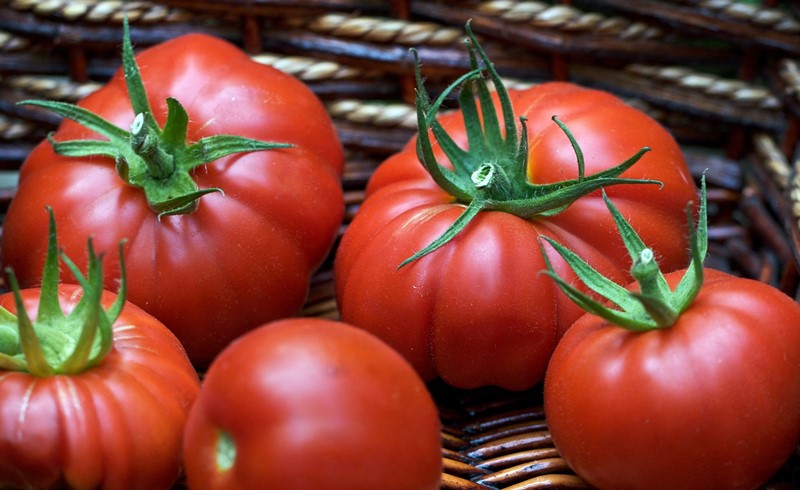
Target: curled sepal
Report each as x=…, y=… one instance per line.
x=492, y=173
x=655, y=305
x=30, y=345
x=58, y=343
x=158, y=160
x=459, y=224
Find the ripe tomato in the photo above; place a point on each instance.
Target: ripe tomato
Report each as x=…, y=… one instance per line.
x=710, y=402
x=104, y=410
x=244, y=255
x=310, y=404
x=692, y=380
x=476, y=311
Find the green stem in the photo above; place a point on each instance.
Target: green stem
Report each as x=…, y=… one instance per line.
x=658, y=310
x=145, y=143
x=646, y=272
x=492, y=180
x=654, y=291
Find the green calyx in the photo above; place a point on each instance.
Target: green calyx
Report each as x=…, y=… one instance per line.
x=158, y=160
x=492, y=174
x=655, y=305
x=57, y=343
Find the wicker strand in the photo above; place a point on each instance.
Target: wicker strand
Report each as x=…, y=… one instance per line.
x=774, y=162
x=103, y=10
x=794, y=195
x=378, y=114
x=11, y=43
x=399, y=115
x=53, y=88
x=382, y=30
x=11, y=129
x=738, y=92
x=789, y=72
x=306, y=68
x=781, y=172
x=312, y=69
x=773, y=18
x=765, y=17
x=568, y=18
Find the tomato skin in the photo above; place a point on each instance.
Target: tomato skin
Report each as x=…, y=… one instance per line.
x=116, y=425
x=318, y=404
x=711, y=402
x=476, y=311
x=243, y=257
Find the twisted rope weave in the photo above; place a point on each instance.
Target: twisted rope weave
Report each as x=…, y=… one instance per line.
x=381, y=30
x=378, y=114
x=568, y=18
x=102, y=10
x=312, y=69
x=737, y=91
x=11, y=129
x=54, y=88
x=772, y=18
x=11, y=43
x=774, y=161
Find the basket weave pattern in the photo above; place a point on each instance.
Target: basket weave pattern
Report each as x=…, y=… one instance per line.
x=721, y=75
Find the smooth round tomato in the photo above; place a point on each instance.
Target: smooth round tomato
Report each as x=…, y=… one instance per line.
x=307, y=403
x=477, y=311
x=711, y=402
x=245, y=255
x=118, y=424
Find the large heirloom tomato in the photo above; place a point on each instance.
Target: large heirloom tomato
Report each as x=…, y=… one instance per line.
x=693, y=383
x=308, y=404
x=475, y=311
x=94, y=397
x=220, y=238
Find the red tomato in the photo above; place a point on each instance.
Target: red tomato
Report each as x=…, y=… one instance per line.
x=710, y=402
x=476, y=311
x=115, y=425
x=245, y=255
x=312, y=404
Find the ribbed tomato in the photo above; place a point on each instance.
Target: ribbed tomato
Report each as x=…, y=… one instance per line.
x=94, y=392
x=476, y=311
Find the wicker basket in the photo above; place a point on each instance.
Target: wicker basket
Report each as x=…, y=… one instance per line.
x=722, y=75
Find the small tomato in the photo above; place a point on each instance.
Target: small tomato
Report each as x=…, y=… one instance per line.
x=309, y=404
